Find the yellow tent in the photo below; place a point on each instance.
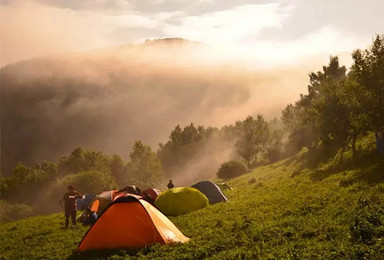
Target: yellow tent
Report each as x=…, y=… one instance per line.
x=180, y=200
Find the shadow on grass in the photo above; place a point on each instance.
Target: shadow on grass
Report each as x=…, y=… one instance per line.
x=104, y=254
x=312, y=158
x=368, y=168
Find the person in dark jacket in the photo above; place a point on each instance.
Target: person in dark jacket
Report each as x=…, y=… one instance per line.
x=69, y=199
x=89, y=218
x=170, y=184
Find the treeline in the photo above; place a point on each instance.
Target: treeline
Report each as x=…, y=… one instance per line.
x=250, y=138
x=42, y=185
x=253, y=140
x=341, y=105
x=143, y=168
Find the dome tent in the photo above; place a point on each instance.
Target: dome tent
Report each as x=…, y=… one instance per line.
x=130, y=222
x=150, y=195
x=211, y=190
x=102, y=201
x=83, y=202
x=177, y=201
x=130, y=189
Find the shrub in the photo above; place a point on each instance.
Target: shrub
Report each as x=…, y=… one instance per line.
x=13, y=211
x=231, y=169
x=88, y=182
x=345, y=182
x=93, y=182
x=367, y=222
x=252, y=181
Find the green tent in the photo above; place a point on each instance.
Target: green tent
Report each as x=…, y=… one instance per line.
x=180, y=200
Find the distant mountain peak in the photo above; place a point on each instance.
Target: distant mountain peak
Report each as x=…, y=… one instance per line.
x=169, y=41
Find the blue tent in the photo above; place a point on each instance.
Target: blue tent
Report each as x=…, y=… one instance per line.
x=211, y=191
x=82, y=203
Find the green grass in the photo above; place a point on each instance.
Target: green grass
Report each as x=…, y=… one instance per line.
x=286, y=210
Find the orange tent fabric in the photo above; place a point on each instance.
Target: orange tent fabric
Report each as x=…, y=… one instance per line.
x=102, y=201
x=130, y=222
x=95, y=206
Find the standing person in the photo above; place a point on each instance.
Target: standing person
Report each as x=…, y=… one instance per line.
x=69, y=199
x=170, y=184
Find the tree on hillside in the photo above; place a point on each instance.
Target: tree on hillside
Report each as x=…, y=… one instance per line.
x=368, y=72
x=301, y=133
x=358, y=121
x=253, y=135
x=83, y=160
x=25, y=182
x=328, y=110
x=340, y=107
x=72, y=163
x=274, y=146
x=20, y=173
x=300, y=125
x=145, y=167
x=320, y=114
x=49, y=167
x=183, y=145
x=119, y=170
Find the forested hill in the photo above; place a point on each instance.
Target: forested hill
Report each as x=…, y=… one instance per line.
x=107, y=99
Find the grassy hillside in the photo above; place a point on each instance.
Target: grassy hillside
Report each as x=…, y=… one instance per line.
x=287, y=210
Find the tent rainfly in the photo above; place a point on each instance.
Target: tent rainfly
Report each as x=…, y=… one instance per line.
x=212, y=191
x=130, y=222
x=180, y=200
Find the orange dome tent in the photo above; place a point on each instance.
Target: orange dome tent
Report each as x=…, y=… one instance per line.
x=130, y=222
x=102, y=201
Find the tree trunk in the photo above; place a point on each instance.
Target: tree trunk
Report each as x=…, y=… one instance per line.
x=342, y=153
x=354, y=137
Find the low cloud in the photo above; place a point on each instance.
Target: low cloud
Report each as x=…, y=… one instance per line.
x=265, y=34
x=229, y=27
x=109, y=98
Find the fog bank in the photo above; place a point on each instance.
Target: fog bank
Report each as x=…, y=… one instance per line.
x=108, y=98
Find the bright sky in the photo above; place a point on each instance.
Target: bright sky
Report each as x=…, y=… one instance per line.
x=272, y=32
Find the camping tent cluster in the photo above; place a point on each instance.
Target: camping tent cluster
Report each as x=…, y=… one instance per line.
x=131, y=218
x=98, y=203
x=182, y=200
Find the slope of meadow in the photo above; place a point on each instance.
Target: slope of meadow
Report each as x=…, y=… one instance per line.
x=286, y=210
